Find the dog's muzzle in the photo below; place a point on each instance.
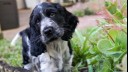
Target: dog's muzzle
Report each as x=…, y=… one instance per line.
x=52, y=33
x=48, y=31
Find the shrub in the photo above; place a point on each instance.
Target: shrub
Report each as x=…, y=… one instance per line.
x=88, y=11
x=79, y=13
x=11, y=55
x=101, y=48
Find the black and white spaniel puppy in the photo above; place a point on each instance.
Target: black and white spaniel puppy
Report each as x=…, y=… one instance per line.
x=46, y=43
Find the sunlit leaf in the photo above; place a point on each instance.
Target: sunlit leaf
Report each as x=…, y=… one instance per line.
x=112, y=7
x=106, y=66
x=102, y=22
x=118, y=14
x=104, y=45
x=119, y=37
x=80, y=37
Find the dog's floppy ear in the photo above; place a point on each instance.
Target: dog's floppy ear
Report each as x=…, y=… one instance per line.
x=34, y=19
x=71, y=23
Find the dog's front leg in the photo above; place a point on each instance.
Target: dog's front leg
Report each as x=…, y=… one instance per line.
x=68, y=65
x=67, y=68
x=46, y=63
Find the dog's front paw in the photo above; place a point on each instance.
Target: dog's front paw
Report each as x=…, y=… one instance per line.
x=67, y=68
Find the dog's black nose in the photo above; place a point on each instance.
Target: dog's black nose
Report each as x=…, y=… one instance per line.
x=48, y=31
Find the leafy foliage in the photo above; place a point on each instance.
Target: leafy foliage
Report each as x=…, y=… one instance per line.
x=94, y=48
x=101, y=48
x=11, y=55
x=81, y=13
x=88, y=11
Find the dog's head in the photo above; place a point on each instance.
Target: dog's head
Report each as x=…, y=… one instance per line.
x=52, y=21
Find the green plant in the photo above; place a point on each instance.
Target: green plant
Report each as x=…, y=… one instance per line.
x=96, y=49
x=79, y=13
x=101, y=48
x=11, y=55
x=115, y=10
x=87, y=11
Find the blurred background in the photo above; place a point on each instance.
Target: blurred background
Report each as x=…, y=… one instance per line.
x=99, y=42
x=14, y=14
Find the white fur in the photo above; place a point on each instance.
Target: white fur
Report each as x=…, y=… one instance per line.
x=59, y=52
x=13, y=42
x=71, y=59
x=28, y=66
x=47, y=22
x=46, y=63
x=29, y=46
x=55, y=59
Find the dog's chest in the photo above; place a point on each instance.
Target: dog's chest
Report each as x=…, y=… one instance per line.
x=58, y=49
x=56, y=58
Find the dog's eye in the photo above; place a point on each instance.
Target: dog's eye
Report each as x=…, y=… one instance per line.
x=52, y=14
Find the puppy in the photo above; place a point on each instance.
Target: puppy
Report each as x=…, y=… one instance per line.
x=46, y=43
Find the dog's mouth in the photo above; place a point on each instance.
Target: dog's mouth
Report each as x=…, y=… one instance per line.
x=52, y=35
